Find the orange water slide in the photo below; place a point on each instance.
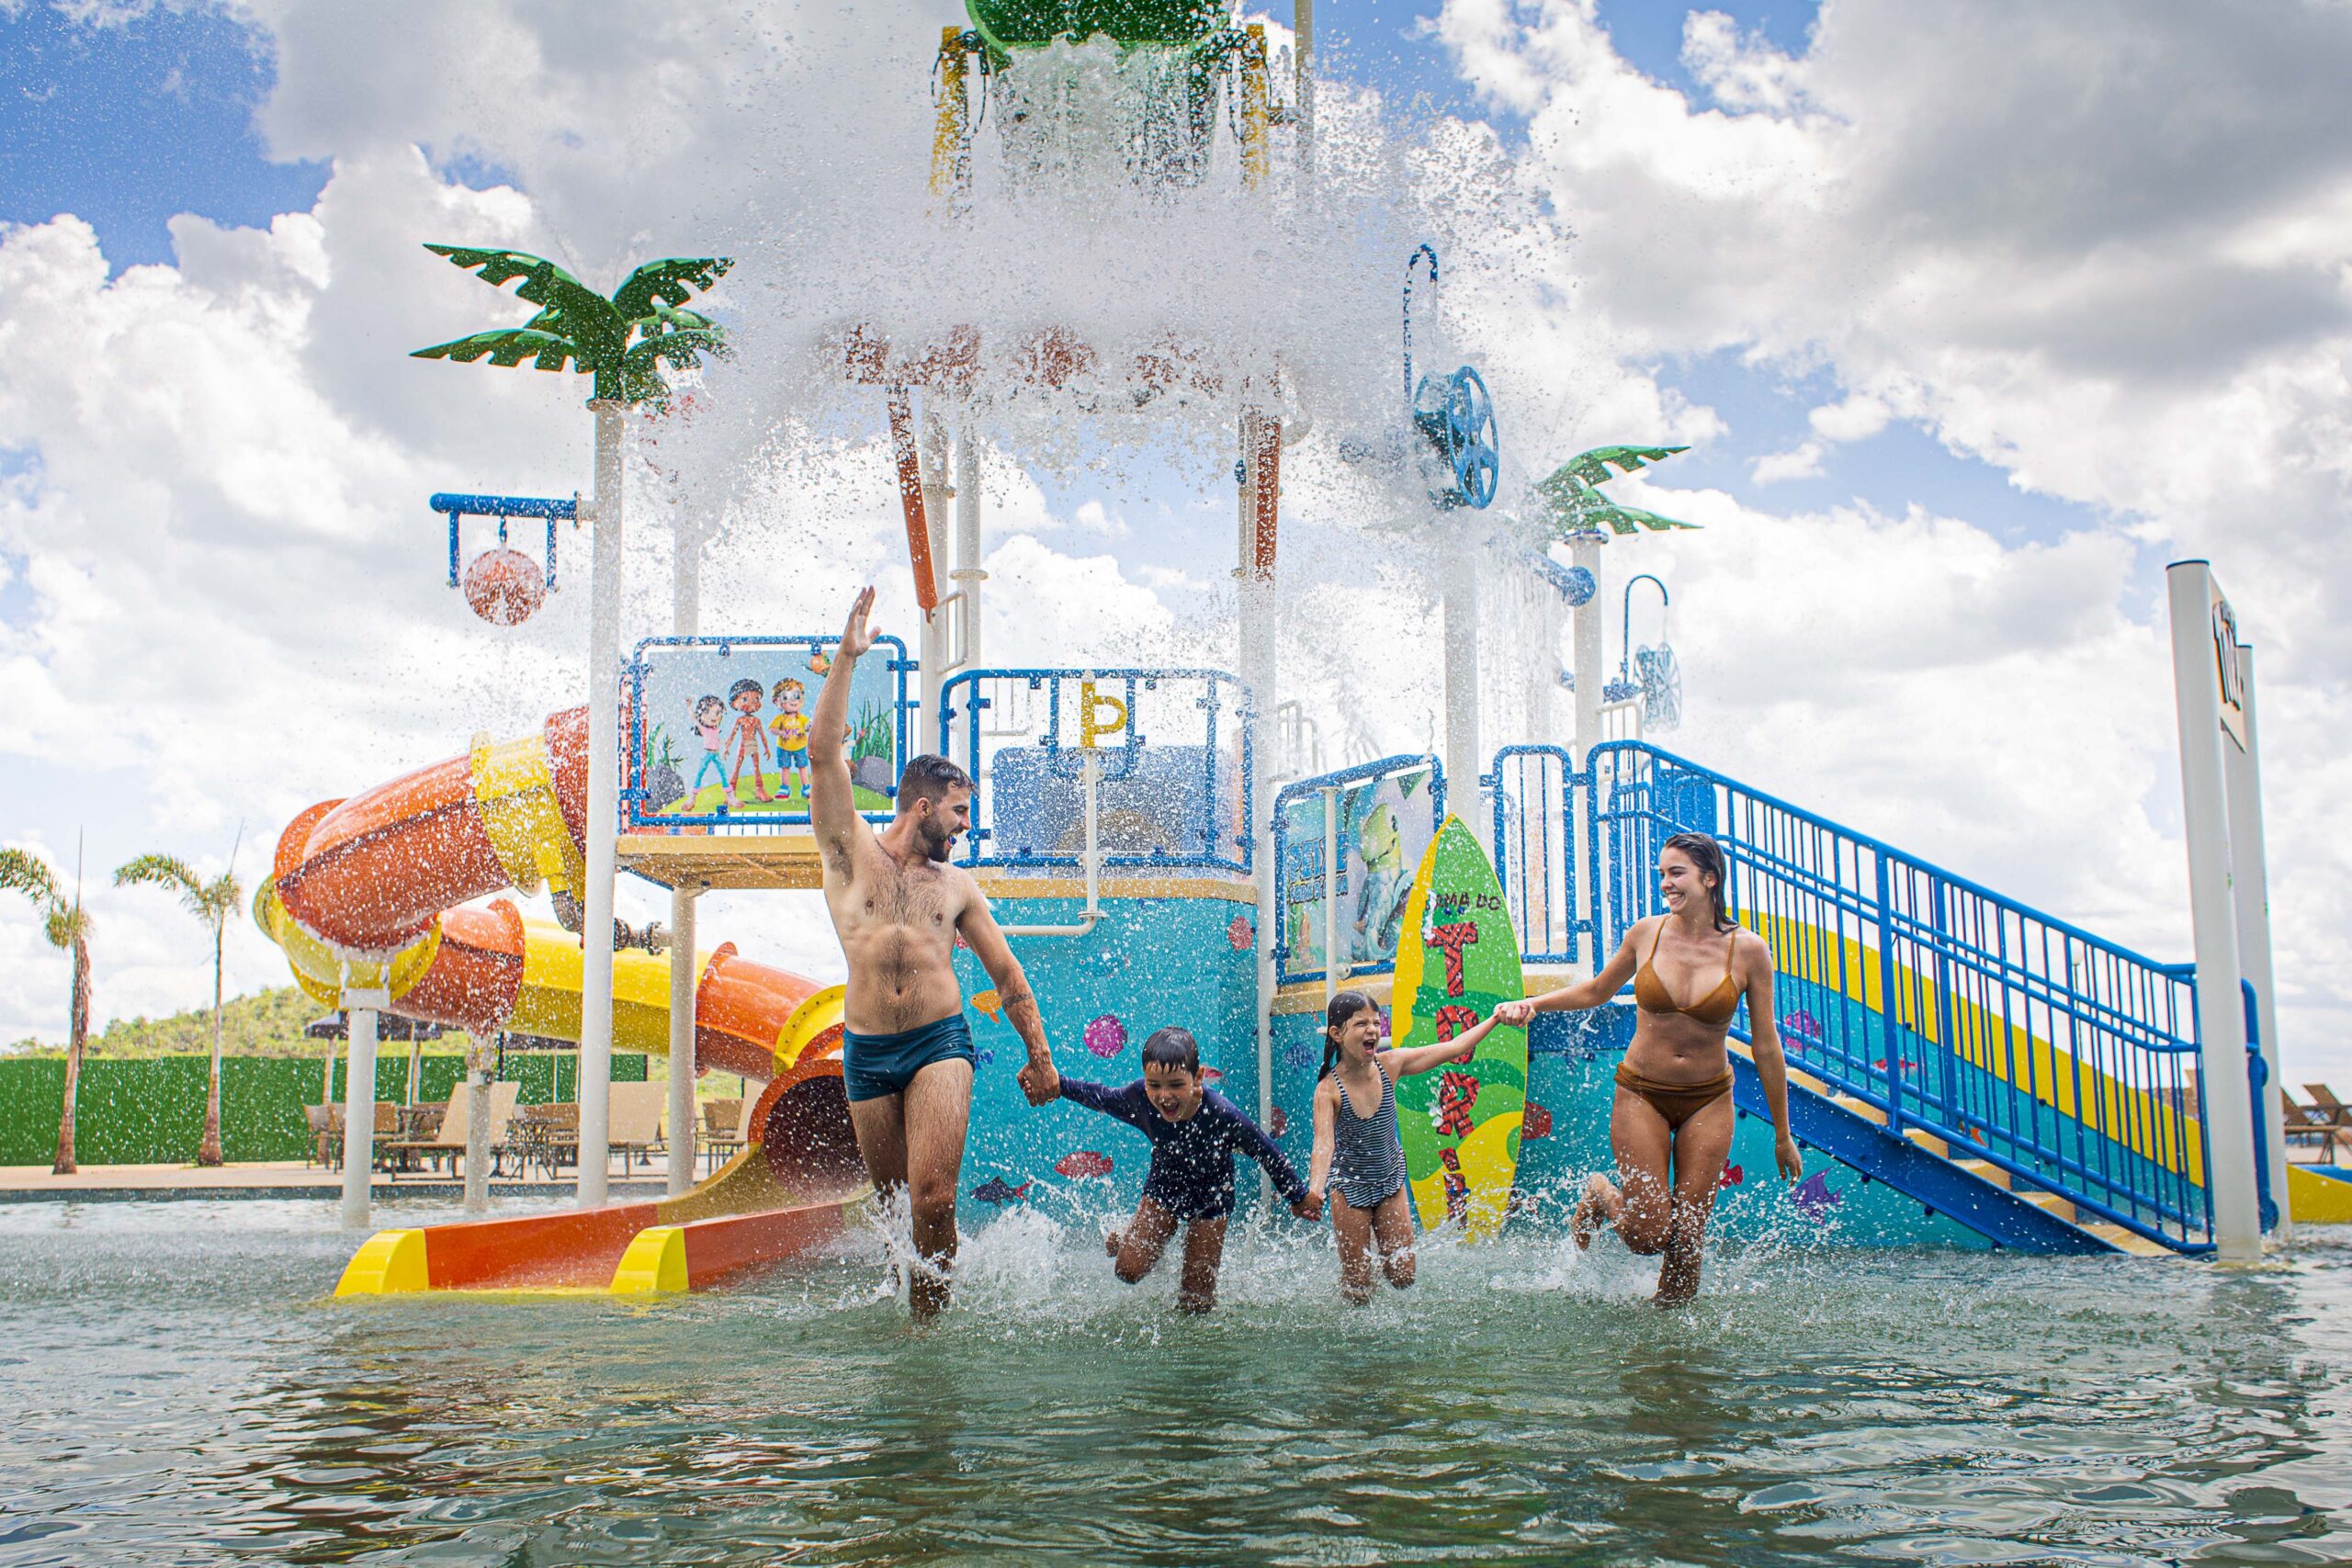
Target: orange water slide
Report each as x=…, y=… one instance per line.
x=371, y=888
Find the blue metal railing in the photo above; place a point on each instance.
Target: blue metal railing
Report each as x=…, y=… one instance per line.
x=1299, y=870
x=2016, y=1037
x=1171, y=750
x=666, y=677
x=1533, y=789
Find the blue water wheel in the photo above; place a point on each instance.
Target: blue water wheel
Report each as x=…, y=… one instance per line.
x=1456, y=417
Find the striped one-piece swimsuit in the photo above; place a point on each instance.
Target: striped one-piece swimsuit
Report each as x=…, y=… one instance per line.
x=1367, y=1155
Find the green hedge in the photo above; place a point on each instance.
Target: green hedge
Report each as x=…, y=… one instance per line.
x=150, y=1112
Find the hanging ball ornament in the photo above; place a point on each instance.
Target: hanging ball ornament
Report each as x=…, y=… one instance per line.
x=504, y=587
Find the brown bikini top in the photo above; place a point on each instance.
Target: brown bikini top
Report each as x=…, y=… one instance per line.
x=1713, y=1010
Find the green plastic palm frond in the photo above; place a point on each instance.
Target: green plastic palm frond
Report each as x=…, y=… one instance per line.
x=1576, y=506
x=509, y=346
x=671, y=281
x=544, y=283
x=1593, y=466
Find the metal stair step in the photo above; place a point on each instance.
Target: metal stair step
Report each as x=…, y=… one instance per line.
x=1929, y=1142
x=1986, y=1170
x=1861, y=1107
x=2050, y=1202
x=2129, y=1241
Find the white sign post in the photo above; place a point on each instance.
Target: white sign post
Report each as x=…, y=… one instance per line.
x=2219, y=794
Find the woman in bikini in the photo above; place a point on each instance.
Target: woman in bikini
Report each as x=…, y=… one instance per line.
x=1671, y=1124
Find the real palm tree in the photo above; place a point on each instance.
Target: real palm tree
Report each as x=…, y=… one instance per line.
x=67, y=927
x=212, y=902
x=623, y=342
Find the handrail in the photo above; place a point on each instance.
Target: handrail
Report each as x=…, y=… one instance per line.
x=1143, y=699
x=1380, y=768
x=1544, y=875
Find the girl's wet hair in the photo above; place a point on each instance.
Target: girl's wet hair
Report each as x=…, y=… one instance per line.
x=1344, y=1006
x=1702, y=851
x=1173, y=1047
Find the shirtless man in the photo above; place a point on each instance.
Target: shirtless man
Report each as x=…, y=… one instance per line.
x=898, y=907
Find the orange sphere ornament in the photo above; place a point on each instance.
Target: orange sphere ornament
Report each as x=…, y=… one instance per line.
x=504, y=587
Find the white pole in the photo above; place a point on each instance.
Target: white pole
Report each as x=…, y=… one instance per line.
x=2220, y=1014
x=604, y=812
x=361, y=1008
x=1588, y=653
x=477, y=1088
x=935, y=654
x=685, y=620
x=2250, y=879
x=1460, y=568
x=1255, y=605
x=968, y=575
x=1331, y=894
x=1301, y=93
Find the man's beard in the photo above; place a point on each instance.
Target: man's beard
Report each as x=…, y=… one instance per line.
x=936, y=842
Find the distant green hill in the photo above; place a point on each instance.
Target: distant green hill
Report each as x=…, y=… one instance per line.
x=269, y=1024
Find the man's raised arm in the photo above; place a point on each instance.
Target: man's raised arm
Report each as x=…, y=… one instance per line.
x=833, y=803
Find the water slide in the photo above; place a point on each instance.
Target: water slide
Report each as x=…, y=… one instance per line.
x=377, y=890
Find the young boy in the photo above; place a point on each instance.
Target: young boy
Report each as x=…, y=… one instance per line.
x=791, y=727
x=751, y=744
x=1193, y=1132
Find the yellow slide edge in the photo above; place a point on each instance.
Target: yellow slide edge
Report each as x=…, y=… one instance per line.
x=389, y=1263
x=654, y=1265
x=2315, y=1199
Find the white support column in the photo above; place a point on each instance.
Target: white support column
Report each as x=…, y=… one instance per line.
x=968, y=575
x=477, y=1091
x=1302, y=92
x=2223, y=1103
x=1459, y=568
x=1588, y=653
x=685, y=976
x=933, y=654
x=595, y=1078
x=1255, y=607
x=360, y=1008
x=2250, y=882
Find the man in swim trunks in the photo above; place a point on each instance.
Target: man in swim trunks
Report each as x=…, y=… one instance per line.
x=898, y=908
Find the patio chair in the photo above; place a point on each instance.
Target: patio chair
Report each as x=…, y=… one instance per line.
x=634, y=1130
x=2337, y=1115
x=548, y=1136
x=2307, y=1125
x=722, y=1129
x=448, y=1140
x=326, y=1134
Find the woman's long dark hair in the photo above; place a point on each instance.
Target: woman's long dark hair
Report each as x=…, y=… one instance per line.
x=1704, y=853
x=1344, y=1006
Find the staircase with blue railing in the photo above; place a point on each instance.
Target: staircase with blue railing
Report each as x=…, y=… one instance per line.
x=2004, y=1067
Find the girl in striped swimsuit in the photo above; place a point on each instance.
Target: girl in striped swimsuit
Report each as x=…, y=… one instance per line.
x=1359, y=1157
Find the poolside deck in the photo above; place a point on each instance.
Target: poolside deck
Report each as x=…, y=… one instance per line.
x=266, y=1178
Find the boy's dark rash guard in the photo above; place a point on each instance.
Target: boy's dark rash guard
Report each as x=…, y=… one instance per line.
x=1192, y=1160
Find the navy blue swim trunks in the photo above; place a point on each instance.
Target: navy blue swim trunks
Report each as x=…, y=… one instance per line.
x=876, y=1065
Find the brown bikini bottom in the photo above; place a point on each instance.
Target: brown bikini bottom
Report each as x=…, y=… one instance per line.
x=1677, y=1102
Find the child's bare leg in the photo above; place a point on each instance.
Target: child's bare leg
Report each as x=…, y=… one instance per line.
x=1392, y=1229
x=1203, y=1252
x=1353, y=1227
x=1137, y=1249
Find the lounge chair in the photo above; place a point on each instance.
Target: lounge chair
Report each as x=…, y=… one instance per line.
x=722, y=1129
x=2331, y=1114
x=634, y=1131
x=448, y=1140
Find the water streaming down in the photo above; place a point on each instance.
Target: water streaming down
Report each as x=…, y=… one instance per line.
x=1520, y=1405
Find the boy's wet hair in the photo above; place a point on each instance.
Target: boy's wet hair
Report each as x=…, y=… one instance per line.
x=739, y=687
x=1173, y=1047
x=789, y=684
x=1344, y=1006
x=929, y=777
x=709, y=700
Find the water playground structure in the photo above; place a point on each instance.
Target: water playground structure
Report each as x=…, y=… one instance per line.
x=1967, y=1071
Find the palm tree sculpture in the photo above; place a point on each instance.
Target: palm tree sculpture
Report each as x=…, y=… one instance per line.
x=212, y=902
x=67, y=926
x=623, y=342
x=1578, y=508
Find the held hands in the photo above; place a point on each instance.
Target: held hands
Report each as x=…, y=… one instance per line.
x=1516, y=1015
x=1038, y=1080
x=856, y=636
x=1309, y=1207
x=1792, y=1163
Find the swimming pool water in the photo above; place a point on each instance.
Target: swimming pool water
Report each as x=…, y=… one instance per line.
x=179, y=1391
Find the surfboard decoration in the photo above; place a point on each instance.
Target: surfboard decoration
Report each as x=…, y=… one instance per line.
x=1459, y=960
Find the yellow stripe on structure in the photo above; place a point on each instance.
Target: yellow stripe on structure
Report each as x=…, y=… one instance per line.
x=2316, y=1199
x=389, y=1263
x=811, y=1017
x=514, y=789
x=654, y=1265
x=2135, y=1118
x=547, y=1002
x=322, y=970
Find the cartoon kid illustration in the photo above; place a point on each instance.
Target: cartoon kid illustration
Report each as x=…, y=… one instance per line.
x=791, y=727
x=1387, y=881
x=710, y=716
x=751, y=742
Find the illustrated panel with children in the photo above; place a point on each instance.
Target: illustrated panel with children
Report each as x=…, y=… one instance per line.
x=724, y=735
